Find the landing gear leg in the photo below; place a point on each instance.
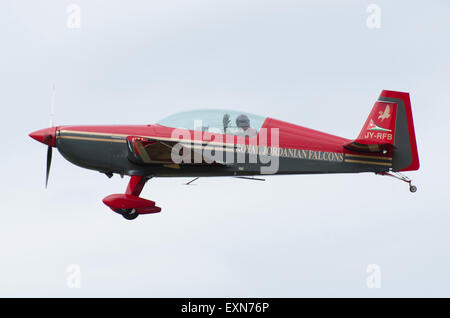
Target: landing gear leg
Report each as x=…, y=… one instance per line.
x=129, y=204
x=402, y=177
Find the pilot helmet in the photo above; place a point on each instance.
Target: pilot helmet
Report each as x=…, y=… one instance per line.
x=242, y=121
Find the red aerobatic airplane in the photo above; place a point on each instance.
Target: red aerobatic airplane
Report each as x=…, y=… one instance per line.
x=229, y=143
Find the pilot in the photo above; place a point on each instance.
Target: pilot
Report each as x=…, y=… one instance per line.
x=243, y=123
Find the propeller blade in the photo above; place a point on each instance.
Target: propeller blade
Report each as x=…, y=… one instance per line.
x=49, y=163
x=52, y=106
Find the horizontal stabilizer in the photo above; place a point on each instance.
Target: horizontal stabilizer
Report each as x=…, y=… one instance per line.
x=369, y=148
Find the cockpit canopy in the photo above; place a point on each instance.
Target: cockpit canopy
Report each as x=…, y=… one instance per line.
x=216, y=121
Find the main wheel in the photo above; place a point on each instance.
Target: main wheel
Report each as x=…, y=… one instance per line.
x=130, y=214
x=412, y=188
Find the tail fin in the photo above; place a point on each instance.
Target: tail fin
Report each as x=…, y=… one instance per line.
x=389, y=129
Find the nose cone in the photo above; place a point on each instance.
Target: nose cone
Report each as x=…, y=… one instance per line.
x=46, y=136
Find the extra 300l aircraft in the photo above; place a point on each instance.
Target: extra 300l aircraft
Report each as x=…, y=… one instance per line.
x=230, y=143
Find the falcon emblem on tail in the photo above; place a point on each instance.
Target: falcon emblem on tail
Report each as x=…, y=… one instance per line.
x=386, y=114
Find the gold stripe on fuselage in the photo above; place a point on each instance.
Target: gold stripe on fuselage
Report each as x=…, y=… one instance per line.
x=147, y=136
x=93, y=139
x=199, y=147
x=368, y=157
x=369, y=162
x=211, y=145
x=79, y=132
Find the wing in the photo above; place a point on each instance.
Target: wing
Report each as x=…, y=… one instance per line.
x=154, y=150
x=146, y=150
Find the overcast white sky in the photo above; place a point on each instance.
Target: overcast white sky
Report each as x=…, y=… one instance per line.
x=313, y=63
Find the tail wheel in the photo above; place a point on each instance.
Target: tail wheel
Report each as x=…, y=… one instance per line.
x=400, y=176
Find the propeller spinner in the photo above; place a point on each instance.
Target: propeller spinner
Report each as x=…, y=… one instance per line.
x=46, y=136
